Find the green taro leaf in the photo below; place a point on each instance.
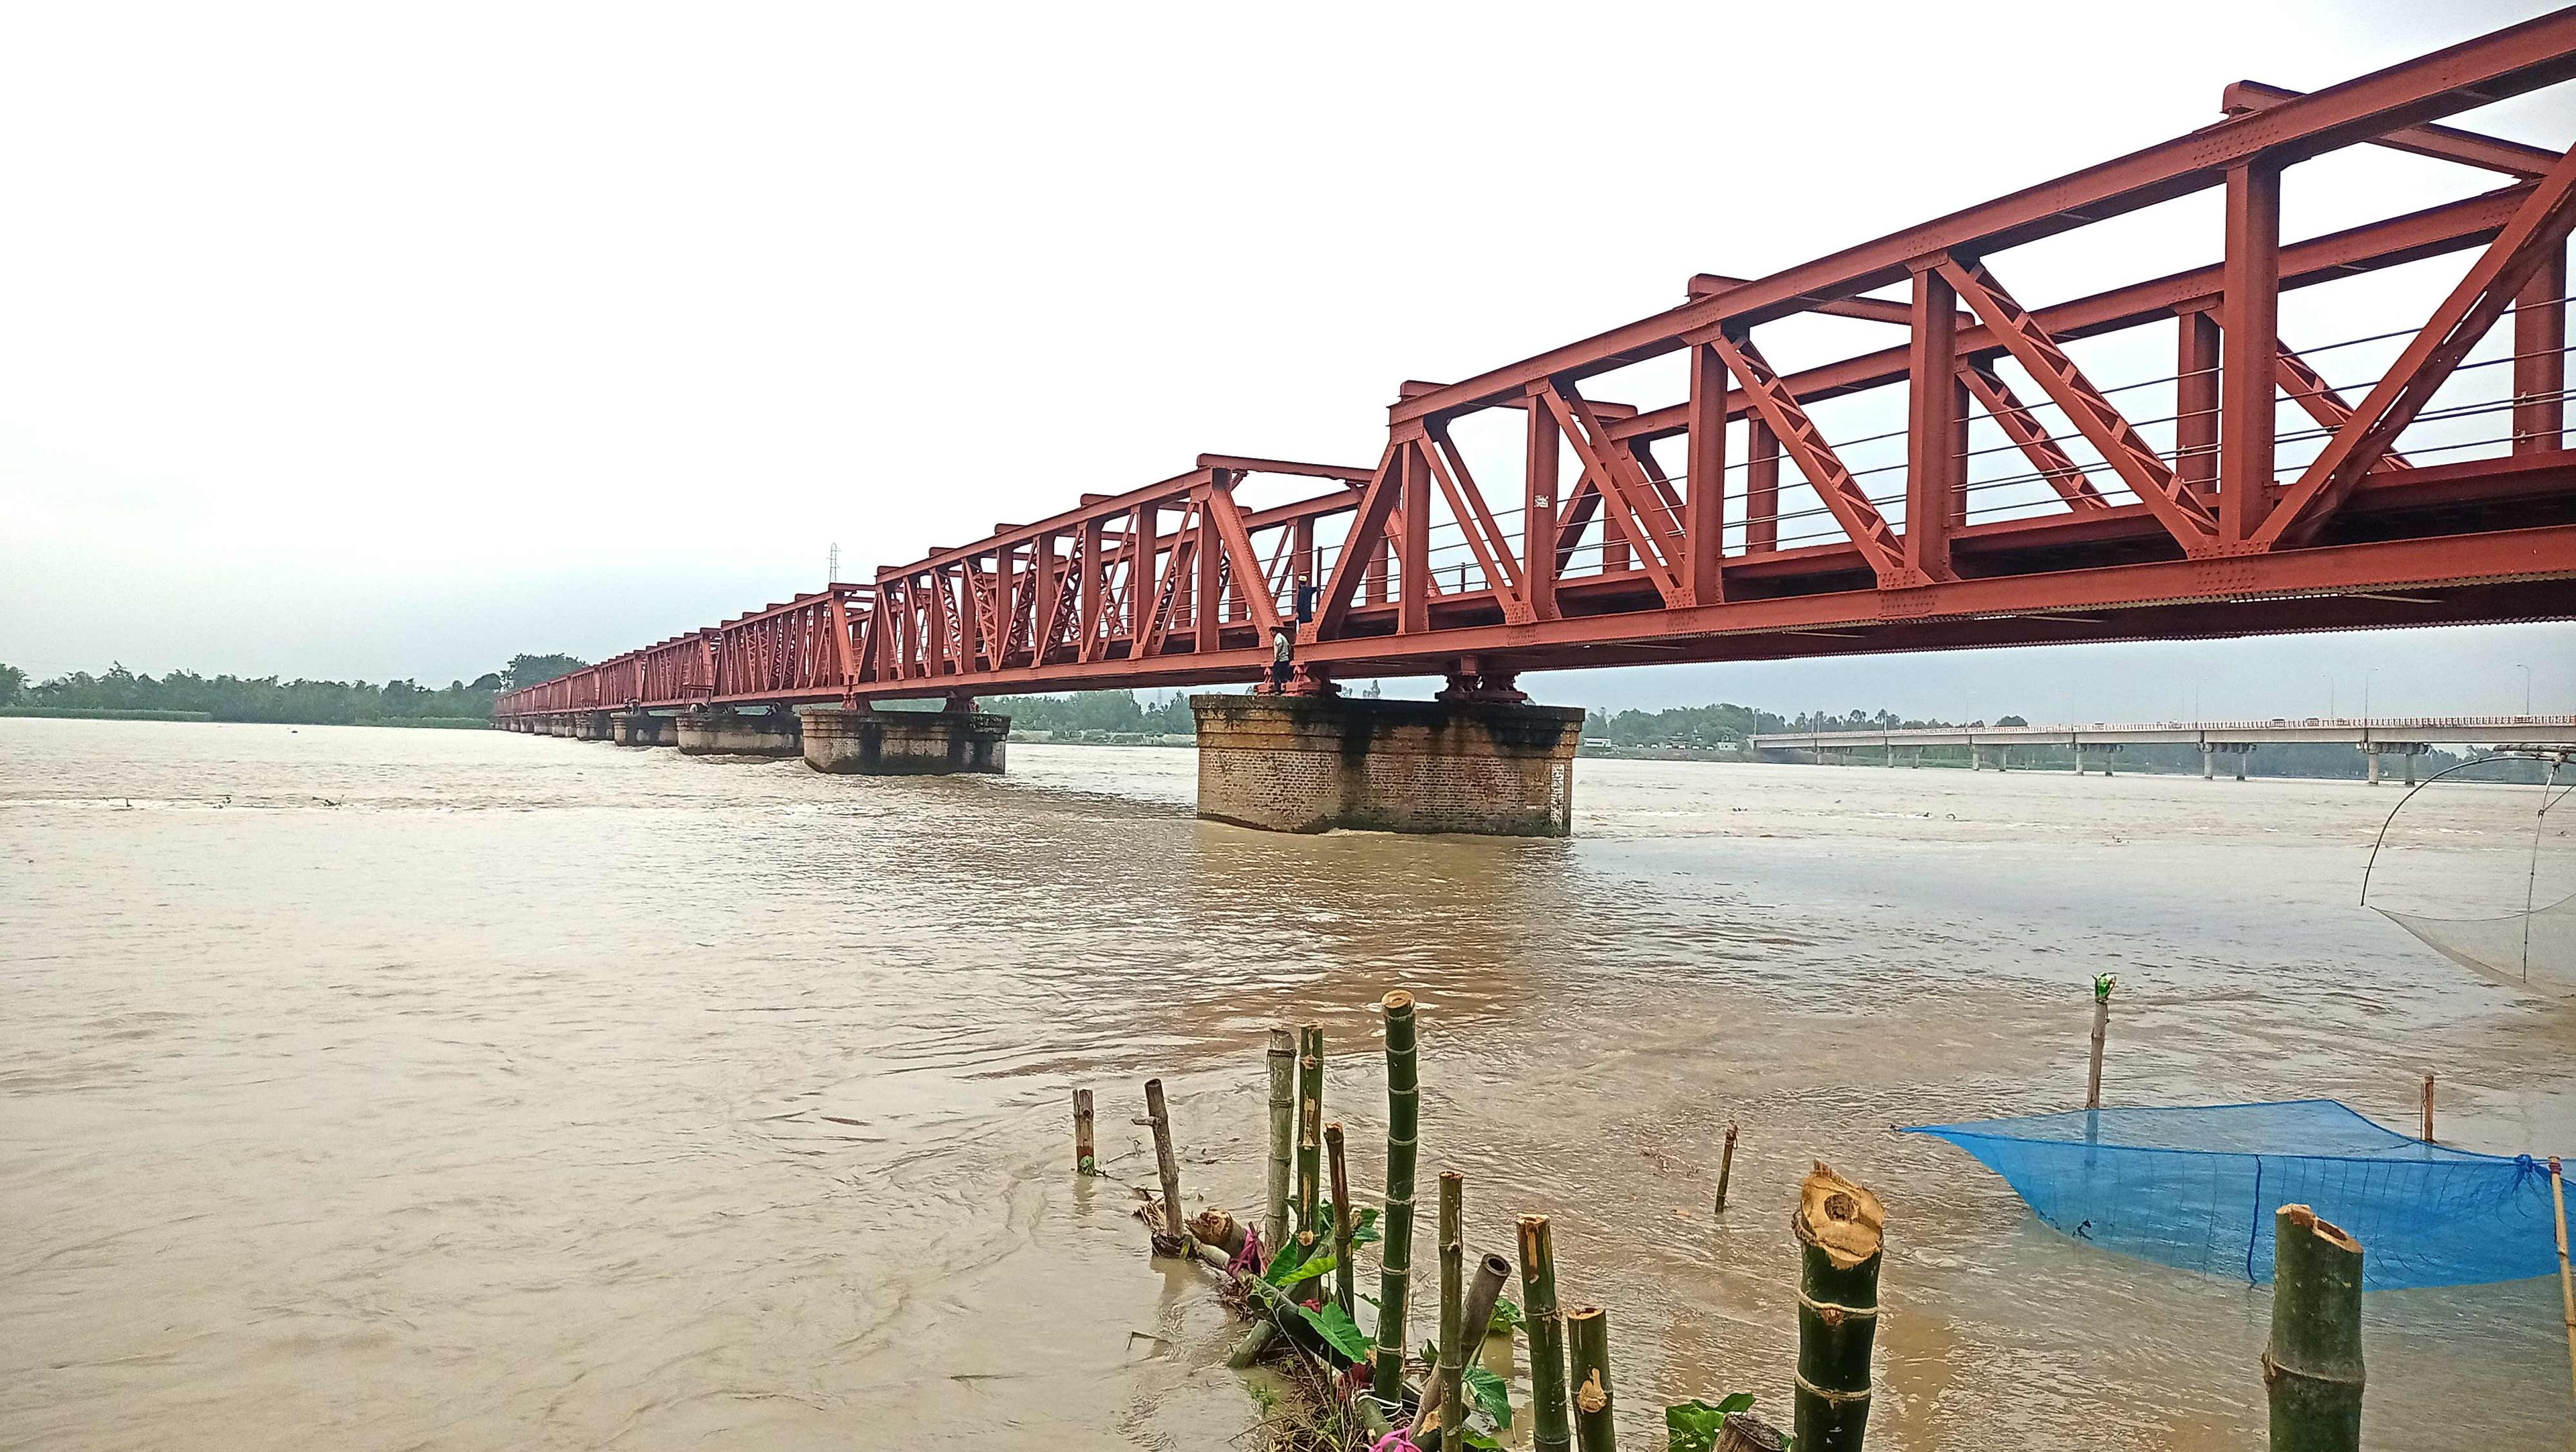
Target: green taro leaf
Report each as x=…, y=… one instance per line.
x=1338, y=1330
x=1490, y=1395
x=1507, y=1315
x=1306, y=1271
x=1284, y=1265
x=1469, y=1436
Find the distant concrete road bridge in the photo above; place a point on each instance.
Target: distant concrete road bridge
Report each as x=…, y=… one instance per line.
x=2405, y=737
x=2143, y=458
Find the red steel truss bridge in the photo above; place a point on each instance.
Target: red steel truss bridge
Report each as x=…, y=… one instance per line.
x=1948, y=475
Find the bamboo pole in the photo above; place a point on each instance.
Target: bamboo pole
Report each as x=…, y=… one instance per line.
x=1548, y=1431
x=1451, y=1372
x=1342, y=1295
x=1745, y=1432
x=1085, y=1162
x=1839, y=1229
x=2428, y=1109
x=2312, y=1365
x=1310, y=1128
x=2102, y=985
x=1283, y=1104
x=1492, y=1273
x=2566, y=1286
x=1176, y=1237
x=1395, y=1252
x=1725, y=1166
x=1587, y=1348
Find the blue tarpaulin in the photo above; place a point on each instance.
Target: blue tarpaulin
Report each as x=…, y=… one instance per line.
x=2196, y=1187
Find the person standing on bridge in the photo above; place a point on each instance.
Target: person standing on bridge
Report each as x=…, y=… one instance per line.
x=1283, y=645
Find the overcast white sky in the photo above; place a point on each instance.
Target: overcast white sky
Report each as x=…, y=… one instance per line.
x=376, y=341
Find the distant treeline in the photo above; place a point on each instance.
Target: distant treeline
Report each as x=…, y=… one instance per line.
x=1117, y=711
x=269, y=698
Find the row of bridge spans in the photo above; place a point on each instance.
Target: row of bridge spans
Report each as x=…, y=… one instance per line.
x=2019, y=502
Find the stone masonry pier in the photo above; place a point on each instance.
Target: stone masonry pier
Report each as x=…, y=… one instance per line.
x=1317, y=763
x=904, y=743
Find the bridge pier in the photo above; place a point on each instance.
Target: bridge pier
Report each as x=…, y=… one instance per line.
x=726, y=732
x=904, y=743
x=594, y=726
x=1317, y=763
x=641, y=728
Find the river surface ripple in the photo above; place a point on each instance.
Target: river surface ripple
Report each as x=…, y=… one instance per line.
x=417, y=1089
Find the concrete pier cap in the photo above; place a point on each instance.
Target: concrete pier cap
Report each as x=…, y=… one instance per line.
x=905, y=743
x=1315, y=763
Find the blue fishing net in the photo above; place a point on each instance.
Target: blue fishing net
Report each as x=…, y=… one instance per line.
x=2197, y=1188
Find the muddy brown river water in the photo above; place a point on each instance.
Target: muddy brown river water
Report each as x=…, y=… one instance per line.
x=412, y=1089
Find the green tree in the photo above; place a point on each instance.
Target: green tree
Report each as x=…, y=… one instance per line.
x=11, y=679
x=527, y=670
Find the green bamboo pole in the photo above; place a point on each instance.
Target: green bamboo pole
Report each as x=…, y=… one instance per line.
x=1838, y=1225
x=2312, y=1365
x=1587, y=1347
x=1548, y=1431
x=1085, y=1160
x=1342, y=1294
x=1451, y=1373
x=1283, y=1105
x=1310, y=1128
x=1395, y=1254
x=1482, y=1292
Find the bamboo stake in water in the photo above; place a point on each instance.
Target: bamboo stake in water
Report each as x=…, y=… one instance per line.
x=2566, y=1287
x=2102, y=986
x=1158, y=1116
x=1451, y=1372
x=1587, y=1349
x=1725, y=1166
x=1838, y=1225
x=2428, y=1109
x=1310, y=1128
x=1548, y=1432
x=1283, y=1105
x=1085, y=1162
x=1342, y=1295
x=2312, y=1365
x=1395, y=1252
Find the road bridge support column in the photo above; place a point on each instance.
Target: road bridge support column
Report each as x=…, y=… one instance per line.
x=1317, y=763
x=725, y=732
x=904, y=743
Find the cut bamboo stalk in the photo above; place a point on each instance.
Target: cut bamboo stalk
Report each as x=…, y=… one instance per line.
x=1395, y=1251
x=2428, y=1109
x=1587, y=1349
x=2566, y=1286
x=2102, y=986
x=1548, y=1432
x=1745, y=1432
x=1725, y=1166
x=1283, y=1114
x=2312, y=1365
x=1310, y=1128
x=1255, y=1341
x=1085, y=1162
x=1451, y=1373
x=1342, y=1295
x=1175, y=1236
x=1492, y=1274
x=1840, y=1232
